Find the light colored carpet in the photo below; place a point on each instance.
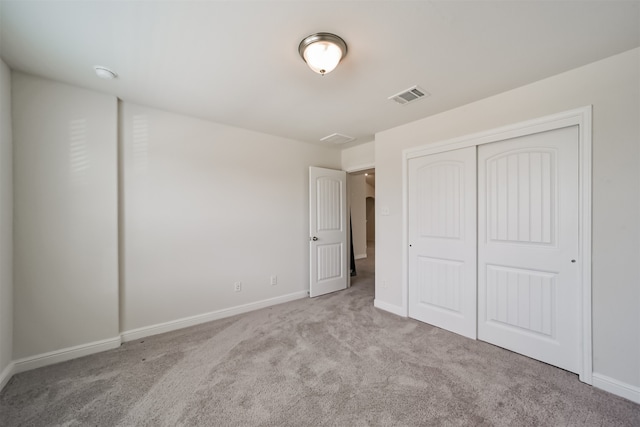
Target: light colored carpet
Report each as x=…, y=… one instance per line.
x=329, y=361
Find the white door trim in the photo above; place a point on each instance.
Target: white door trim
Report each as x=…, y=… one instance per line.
x=580, y=117
x=361, y=167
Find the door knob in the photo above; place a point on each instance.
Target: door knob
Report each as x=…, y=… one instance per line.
x=314, y=238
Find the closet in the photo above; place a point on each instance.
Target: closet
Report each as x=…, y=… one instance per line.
x=493, y=233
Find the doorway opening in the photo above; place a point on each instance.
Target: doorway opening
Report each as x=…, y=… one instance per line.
x=362, y=208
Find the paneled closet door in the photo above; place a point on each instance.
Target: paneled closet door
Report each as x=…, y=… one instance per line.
x=442, y=239
x=528, y=289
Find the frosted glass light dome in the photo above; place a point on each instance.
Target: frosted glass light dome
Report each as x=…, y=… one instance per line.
x=322, y=52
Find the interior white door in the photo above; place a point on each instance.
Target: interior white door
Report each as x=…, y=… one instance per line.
x=442, y=240
x=328, y=231
x=528, y=272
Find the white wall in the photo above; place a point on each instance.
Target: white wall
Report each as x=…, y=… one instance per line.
x=613, y=87
x=204, y=206
x=65, y=223
x=6, y=221
x=359, y=157
x=357, y=202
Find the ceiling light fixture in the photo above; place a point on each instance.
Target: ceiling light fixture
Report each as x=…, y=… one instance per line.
x=105, y=73
x=322, y=51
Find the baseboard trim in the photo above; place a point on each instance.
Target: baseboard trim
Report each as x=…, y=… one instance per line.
x=185, y=322
x=360, y=256
x=57, y=356
x=6, y=374
x=616, y=387
x=391, y=308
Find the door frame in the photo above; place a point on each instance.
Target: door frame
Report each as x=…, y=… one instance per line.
x=581, y=117
x=353, y=169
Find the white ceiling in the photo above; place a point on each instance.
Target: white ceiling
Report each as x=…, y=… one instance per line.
x=236, y=62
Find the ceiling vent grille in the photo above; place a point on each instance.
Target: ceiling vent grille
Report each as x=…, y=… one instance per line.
x=412, y=94
x=337, y=138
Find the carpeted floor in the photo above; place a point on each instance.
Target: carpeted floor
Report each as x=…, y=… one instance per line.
x=329, y=361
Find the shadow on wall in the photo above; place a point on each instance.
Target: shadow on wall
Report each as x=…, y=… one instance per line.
x=371, y=219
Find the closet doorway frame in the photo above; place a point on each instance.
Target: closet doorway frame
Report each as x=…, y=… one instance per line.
x=582, y=117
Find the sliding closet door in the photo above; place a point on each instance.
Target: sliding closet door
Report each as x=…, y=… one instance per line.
x=528, y=278
x=442, y=239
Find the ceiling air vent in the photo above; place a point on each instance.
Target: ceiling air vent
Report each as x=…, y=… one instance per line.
x=409, y=95
x=337, y=138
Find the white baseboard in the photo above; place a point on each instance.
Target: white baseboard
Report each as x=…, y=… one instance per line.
x=57, y=356
x=360, y=256
x=6, y=374
x=185, y=322
x=395, y=309
x=616, y=387
x=64, y=354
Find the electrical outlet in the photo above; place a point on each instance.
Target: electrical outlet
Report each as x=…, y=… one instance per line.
x=237, y=286
x=274, y=280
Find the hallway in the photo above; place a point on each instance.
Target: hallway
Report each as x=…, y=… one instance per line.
x=366, y=268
